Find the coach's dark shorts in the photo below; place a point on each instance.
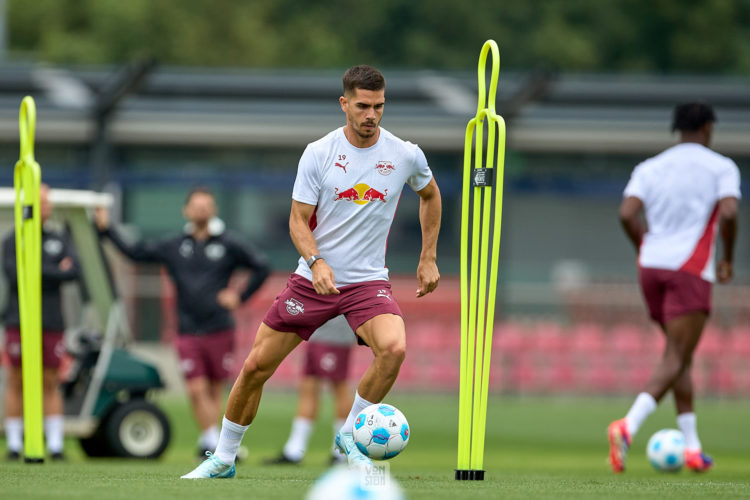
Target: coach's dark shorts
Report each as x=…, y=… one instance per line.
x=53, y=349
x=670, y=294
x=209, y=355
x=301, y=310
x=327, y=361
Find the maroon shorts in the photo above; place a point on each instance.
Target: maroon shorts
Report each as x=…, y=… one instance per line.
x=209, y=355
x=53, y=349
x=301, y=310
x=327, y=361
x=670, y=294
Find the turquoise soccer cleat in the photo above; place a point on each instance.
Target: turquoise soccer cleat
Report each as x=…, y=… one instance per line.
x=345, y=443
x=211, y=468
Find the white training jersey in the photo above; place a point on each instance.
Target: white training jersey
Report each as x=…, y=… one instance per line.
x=356, y=191
x=335, y=331
x=680, y=189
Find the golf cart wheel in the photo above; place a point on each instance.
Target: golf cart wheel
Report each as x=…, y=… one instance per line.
x=96, y=445
x=137, y=429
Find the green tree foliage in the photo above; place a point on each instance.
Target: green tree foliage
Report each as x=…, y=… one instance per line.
x=575, y=35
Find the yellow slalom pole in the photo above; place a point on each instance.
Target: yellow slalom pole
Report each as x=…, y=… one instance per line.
x=26, y=181
x=466, y=354
x=477, y=293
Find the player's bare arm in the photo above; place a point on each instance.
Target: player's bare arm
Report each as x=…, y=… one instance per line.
x=430, y=210
x=299, y=228
x=630, y=218
x=728, y=232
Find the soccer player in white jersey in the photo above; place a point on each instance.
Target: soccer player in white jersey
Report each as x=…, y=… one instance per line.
x=686, y=192
x=343, y=203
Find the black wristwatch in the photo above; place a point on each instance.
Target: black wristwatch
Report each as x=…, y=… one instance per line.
x=312, y=260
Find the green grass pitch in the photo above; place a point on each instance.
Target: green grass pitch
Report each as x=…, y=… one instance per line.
x=536, y=448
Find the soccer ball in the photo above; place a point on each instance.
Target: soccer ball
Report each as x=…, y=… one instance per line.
x=343, y=483
x=666, y=450
x=381, y=431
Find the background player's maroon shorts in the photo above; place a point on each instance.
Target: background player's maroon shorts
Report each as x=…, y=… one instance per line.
x=327, y=361
x=208, y=355
x=301, y=310
x=670, y=294
x=53, y=349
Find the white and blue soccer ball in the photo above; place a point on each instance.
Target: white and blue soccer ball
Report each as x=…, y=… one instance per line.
x=381, y=431
x=666, y=450
x=344, y=483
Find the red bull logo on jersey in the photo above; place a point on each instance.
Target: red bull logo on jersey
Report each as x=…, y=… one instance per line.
x=385, y=167
x=361, y=194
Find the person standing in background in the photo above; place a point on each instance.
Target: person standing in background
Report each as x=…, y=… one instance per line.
x=200, y=263
x=59, y=264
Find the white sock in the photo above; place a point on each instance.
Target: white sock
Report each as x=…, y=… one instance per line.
x=643, y=406
x=296, y=445
x=209, y=438
x=53, y=431
x=229, y=440
x=14, y=433
x=359, y=405
x=688, y=425
x=337, y=424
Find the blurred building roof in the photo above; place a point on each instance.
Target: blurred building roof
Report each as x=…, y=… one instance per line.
x=282, y=108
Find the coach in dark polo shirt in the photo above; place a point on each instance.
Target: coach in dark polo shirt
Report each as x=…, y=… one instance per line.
x=200, y=262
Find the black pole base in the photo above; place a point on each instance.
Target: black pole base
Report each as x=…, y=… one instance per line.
x=30, y=460
x=469, y=475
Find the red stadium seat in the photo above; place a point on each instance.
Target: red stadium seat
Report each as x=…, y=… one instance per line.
x=722, y=379
x=739, y=341
x=509, y=338
x=712, y=342
x=636, y=373
x=522, y=374
x=626, y=339
x=587, y=339
x=443, y=372
x=559, y=373
x=549, y=337
x=602, y=376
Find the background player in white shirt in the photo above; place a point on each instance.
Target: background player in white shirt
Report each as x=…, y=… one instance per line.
x=686, y=192
x=344, y=199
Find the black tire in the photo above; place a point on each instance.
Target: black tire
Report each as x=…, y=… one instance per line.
x=137, y=429
x=96, y=445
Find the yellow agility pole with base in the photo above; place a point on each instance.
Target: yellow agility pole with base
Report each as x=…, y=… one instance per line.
x=480, y=252
x=26, y=180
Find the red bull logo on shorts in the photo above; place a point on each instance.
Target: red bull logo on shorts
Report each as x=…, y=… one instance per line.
x=361, y=194
x=294, y=306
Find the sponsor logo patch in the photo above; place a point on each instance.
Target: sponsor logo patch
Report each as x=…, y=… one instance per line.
x=215, y=251
x=294, y=306
x=361, y=194
x=385, y=167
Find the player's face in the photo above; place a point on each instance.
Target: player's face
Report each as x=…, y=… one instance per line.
x=200, y=208
x=364, y=109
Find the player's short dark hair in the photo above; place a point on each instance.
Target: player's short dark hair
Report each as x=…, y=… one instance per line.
x=363, y=77
x=691, y=116
x=198, y=190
